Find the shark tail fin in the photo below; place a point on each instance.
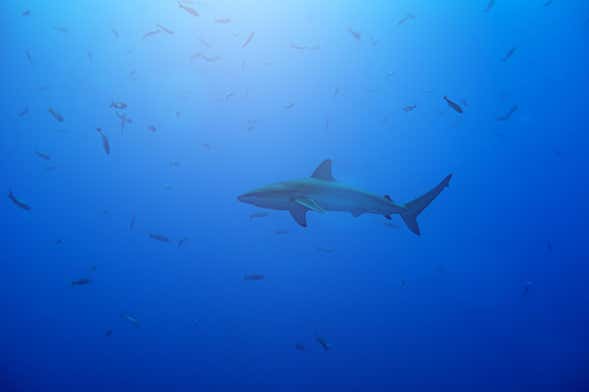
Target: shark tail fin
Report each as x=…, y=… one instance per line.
x=414, y=208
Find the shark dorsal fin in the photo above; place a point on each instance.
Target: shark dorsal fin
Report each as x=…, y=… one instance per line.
x=323, y=171
x=388, y=197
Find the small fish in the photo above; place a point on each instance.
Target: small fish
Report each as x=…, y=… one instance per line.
x=115, y=33
x=453, y=105
x=409, y=108
x=325, y=250
x=405, y=19
x=280, y=232
x=151, y=33
x=43, y=156
x=61, y=29
x=190, y=10
x=509, y=53
x=81, y=282
x=222, y=20
x=26, y=13
x=253, y=277
x=490, y=5
x=59, y=242
x=152, y=128
x=289, y=106
x=182, y=242
x=257, y=215
x=323, y=343
x=132, y=223
x=132, y=319
x=355, y=34
x=17, y=202
x=165, y=29
x=58, y=117
x=105, y=143
x=509, y=113
x=527, y=287
x=548, y=3
x=118, y=105
x=300, y=347
x=23, y=112
x=205, y=58
x=108, y=333
x=159, y=237
x=29, y=57
x=124, y=120
x=249, y=39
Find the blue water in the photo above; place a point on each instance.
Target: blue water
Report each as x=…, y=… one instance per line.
x=491, y=297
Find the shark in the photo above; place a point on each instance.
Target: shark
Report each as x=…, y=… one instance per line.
x=322, y=193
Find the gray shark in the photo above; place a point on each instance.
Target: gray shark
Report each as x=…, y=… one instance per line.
x=321, y=193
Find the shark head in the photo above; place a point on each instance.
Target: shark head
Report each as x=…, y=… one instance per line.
x=275, y=196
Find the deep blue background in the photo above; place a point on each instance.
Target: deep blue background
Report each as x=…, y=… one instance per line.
x=516, y=210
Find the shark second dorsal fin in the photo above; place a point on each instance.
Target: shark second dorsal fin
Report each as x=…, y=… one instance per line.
x=299, y=214
x=323, y=171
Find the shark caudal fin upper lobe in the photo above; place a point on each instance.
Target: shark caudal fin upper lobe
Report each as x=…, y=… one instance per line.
x=415, y=207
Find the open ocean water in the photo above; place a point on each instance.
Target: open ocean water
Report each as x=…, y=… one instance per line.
x=138, y=249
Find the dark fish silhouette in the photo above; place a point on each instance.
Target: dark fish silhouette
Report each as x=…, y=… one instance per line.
x=29, y=57
x=453, y=105
x=118, y=105
x=190, y=10
x=17, y=202
x=257, y=215
x=151, y=33
x=24, y=112
x=43, y=156
x=165, y=29
x=405, y=19
x=253, y=277
x=159, y=237
x=357, y=35
x=58, y=117
x=526, y=288
x=108, y=332
x=124, y=120
x=105, y=143
x=509, y=54
x=206, y=58
x=26, y=13
x=509, y=113
x=548, y=3
x=490, y=5
x=249, y=39
x=323, y=343
x=115, y=33
x=289, y=106
x=409, y=108
x=182, y=242
x=152, y=128
x=81, y=282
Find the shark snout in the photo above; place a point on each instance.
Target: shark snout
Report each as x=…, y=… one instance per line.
x=245, y=198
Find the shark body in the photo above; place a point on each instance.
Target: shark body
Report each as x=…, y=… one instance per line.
x=321, y=193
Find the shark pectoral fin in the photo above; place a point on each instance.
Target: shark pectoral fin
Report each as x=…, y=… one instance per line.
x=299, y=213
x=309, y=204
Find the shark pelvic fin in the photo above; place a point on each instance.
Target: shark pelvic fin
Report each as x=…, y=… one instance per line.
x=309, y=204
x=323, y=171
x=299, y=214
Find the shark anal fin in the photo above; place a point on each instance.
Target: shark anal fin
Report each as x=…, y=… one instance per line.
x=309, y=204
x=323, y=171
x=299, y=214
